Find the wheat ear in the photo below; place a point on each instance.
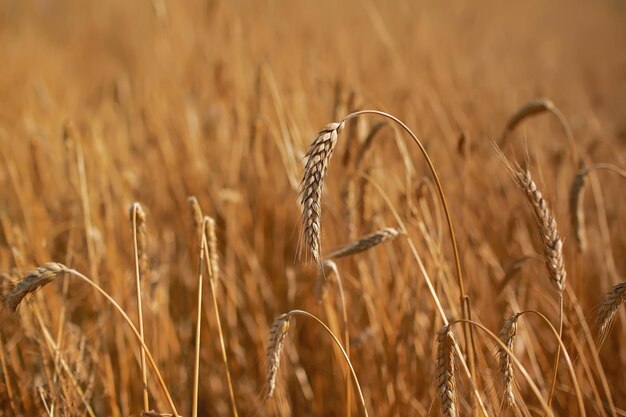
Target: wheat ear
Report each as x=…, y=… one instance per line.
x=278, y=334
x=30, y=283
x=317, y=160
x=446, y=385
x=552, y=242
x=365, y=243
x=507, y=336
x=608, y=310
x=576, y=196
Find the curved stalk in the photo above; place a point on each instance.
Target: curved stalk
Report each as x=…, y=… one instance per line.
x=343, y=352
x=570, y=365
x=463, y=299
x=519, y=365
x=135, y=332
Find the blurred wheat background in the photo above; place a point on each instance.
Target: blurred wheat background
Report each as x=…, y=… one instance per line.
x=103, y=104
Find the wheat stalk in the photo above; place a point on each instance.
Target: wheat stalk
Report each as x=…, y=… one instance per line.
x=446, y=385
x=317, y=160
x=507, y=336
x=138, y=224
x=365, y=243
x=608, y=309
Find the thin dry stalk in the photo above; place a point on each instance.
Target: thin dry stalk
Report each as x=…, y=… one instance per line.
x=209, y=235
x=196, y=372
x=6, y=378
x=278, y=334
x=138, y=224
x=507, y=335
x=317, y=160
x=608, y=310
x=365, y=243
x=446, y=385
x=576, y=196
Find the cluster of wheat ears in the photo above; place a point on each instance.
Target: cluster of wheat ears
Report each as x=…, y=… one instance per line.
x=452, y=353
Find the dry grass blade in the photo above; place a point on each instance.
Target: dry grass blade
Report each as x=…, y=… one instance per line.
x=576, y=196
x=278, y=334
x=33, y=281
x=317, y=160
x=507, y=336
x=365, y=243
x=608, y=309
x=446, y=385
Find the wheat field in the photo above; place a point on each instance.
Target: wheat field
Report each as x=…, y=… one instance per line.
x=312, y=208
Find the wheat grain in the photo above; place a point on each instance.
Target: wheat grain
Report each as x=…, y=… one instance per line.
x=446, y=385
x=317, y=160
x=278, y=334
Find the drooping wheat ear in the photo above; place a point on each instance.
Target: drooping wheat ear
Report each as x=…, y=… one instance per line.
x=33, y=281
x=278, y=334
x=366, y=242
x=212, y=245
x=538, y=106
x=507, y=336
x=608, y=310
x=317, y=160
x=576, y=196
x=446, y=385
x=552, y=243
x=197, y=216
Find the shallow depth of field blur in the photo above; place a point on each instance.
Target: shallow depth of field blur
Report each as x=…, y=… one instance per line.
x=219, y=100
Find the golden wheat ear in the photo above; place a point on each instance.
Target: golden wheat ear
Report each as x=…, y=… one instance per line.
x=446, y=383
x=608, y=310
x=30, y=283
x=507, y=336
x=317, y=160
x=278, y=334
